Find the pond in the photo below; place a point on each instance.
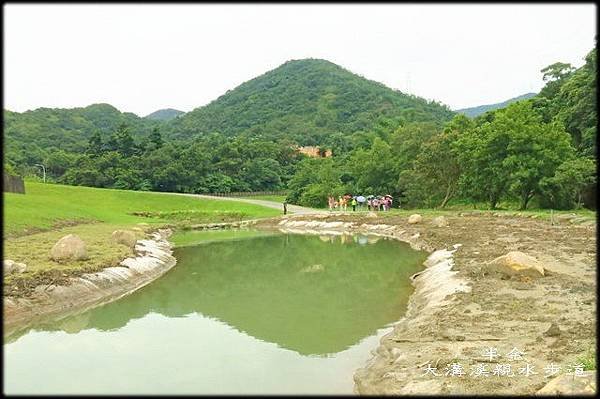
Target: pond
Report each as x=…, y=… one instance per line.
x=279, y=313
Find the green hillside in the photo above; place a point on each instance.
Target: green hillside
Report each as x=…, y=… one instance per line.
x=305, y=100
x=481, y=109
x=31, y=136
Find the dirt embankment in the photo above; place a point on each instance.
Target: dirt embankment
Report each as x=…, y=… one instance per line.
x=498, y=311
x=54, y=301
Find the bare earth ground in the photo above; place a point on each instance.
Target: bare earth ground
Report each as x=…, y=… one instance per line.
x=499, y=312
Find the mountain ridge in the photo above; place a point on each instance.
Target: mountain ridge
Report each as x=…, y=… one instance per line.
x=164, y=114
x=481, y=109
x=306, y=99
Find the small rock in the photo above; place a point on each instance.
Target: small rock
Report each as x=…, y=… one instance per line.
x=439, y=221
x=517, y=263
x=568, y=384
x=10, y=266
x=124, y=237
x=565, y=216
x=552, y=331
x=578, y=220
x=70, y=247
x=415, y=218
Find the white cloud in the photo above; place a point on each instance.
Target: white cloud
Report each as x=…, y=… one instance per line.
x=140, y=58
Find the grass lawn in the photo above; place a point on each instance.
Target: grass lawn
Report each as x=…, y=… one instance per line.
x=45, y=206
x=35, y=221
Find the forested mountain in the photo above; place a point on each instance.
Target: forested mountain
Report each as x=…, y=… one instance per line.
x=164, y=114
x=307, y=101
x=481, y=109
x=31, y=136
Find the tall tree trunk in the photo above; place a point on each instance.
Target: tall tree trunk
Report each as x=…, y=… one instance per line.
x=493, y=201
x=525, y=200
x=447, y=197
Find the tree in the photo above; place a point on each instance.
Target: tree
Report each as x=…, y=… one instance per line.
x=575, y=106
x=439, y=167
x=513, y=153
x=58, y=161
x=95, y=145
x=373, y=169
x=534, y=152
x=124, y=142
x=557, y=71
x=156, y=138
x=481, y=151
x=565, y=188
x=555, y=75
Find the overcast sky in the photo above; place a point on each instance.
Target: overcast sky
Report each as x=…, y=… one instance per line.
x=141, y=58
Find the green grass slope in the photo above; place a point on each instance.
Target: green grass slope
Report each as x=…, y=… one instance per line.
x=45, y=206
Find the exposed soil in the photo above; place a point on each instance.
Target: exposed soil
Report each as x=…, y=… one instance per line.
x=55, y=226
x=500, y=311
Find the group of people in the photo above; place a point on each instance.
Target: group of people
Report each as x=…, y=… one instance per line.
x=373, y=203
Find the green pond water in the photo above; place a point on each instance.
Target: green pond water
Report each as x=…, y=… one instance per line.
x=277, y=313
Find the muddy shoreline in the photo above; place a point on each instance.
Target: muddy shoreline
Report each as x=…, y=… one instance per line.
x=152, y=258
x=491, y=309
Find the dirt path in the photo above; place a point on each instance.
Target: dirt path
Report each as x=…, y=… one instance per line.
x=294, y=209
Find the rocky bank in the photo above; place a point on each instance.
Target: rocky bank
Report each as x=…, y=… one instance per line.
x=153, y=257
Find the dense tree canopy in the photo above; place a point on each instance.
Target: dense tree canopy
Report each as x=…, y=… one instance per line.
x=540, y=150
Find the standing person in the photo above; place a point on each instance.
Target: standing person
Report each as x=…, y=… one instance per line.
x=354, y=204
x=285, y=207
x=375, y=204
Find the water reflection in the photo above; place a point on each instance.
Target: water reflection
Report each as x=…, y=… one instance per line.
x=315, y=295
